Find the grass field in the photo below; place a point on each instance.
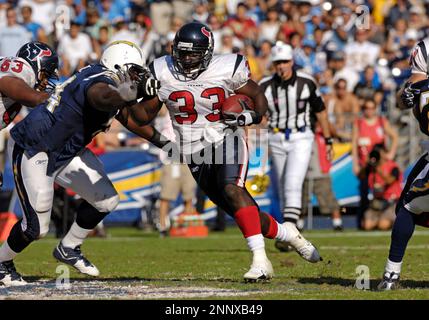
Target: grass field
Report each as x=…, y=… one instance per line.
x=137, y=265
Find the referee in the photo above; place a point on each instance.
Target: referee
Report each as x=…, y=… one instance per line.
x=294, y=105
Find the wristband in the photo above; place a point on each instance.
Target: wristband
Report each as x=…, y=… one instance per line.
x=329, y=141
x=158, y=140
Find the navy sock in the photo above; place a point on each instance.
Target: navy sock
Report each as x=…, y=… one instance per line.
x=402, y=231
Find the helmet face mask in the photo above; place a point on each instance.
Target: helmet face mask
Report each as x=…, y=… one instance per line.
x=192, y=49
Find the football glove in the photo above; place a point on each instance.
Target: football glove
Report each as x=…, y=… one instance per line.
x=148, y=88
x=125, y=87
x=244, y=118
x=409, y=94
x=130, y=90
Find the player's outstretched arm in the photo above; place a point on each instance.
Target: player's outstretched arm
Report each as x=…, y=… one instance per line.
x=17, y=90
x=145, y=111
x=104, y=97
x=147, y=132
x=254, y=91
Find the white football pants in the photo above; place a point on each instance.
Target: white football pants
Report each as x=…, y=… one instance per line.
x=84, y=174
x=291, y=159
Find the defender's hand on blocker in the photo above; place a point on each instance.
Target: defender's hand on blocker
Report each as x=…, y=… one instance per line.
x=130, y=90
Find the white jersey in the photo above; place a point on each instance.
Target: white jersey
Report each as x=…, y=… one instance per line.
x=19, y=68
x=194, y=105
x=419, y=57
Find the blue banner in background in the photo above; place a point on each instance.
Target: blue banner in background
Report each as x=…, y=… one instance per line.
x=136, y=175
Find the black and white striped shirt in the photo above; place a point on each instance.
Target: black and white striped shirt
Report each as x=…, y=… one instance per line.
x=292, y=104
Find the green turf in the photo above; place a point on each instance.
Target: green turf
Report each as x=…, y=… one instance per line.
x=220, y=261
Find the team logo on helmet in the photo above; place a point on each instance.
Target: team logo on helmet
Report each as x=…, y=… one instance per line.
x=205, y=32
x=34, y=52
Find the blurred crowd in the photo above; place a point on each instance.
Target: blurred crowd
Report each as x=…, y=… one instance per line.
x=357, y=50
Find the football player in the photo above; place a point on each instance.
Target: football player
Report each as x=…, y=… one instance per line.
x=24, y=79
x=194, y=83
x=413, y=205
x=49, y=146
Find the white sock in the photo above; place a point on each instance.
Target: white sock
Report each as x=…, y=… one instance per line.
x=75, y=236
x=282, y=233
x=337, y=222
x=393, y=266
x=257, y=246
x=6, y=253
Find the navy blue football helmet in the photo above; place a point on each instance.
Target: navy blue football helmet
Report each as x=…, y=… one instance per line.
x=192, y=49
x=44, y=62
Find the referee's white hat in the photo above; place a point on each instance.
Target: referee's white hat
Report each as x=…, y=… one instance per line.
x=281, y=51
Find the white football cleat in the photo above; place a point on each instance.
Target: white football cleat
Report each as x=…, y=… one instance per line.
x=261, y=270
x=9, y=277
x=301, y=245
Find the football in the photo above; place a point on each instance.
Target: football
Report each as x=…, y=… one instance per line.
x=236, y=103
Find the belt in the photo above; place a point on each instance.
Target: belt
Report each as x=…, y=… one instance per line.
x=288, y=131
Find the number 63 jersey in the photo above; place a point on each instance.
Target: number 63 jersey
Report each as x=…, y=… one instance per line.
x=194, y=105
x=18, y=68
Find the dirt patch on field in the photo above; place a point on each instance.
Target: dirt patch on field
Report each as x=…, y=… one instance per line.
x=112, y=290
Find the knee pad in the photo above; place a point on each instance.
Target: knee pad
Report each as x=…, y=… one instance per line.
x=107, y=204
x=44, y=199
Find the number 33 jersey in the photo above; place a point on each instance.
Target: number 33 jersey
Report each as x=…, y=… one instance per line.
x=18, y=68
x=195, y=104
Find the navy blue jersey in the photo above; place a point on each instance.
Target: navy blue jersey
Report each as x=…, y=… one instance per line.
x=66, y=123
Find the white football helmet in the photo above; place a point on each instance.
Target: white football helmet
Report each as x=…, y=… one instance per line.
x=122, y=54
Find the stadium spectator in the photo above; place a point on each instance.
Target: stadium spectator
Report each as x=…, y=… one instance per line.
x=122, y=32
x=396, y=36
x=44, y=13
x=201, y=12
x=361, y=53
x=400, y=10
x=369, y=130
x=161, y=12
x=368, y=85
x=264, y=58
x=338, y=65
x=183, y=8
x=384, y=180
x=306, y=58
x=113, y=11
x=243, y=26
x=38, y=34
x=346, y=109
x=75, y=49
x=254, y=11
x=12, y=36
x=270, y=27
